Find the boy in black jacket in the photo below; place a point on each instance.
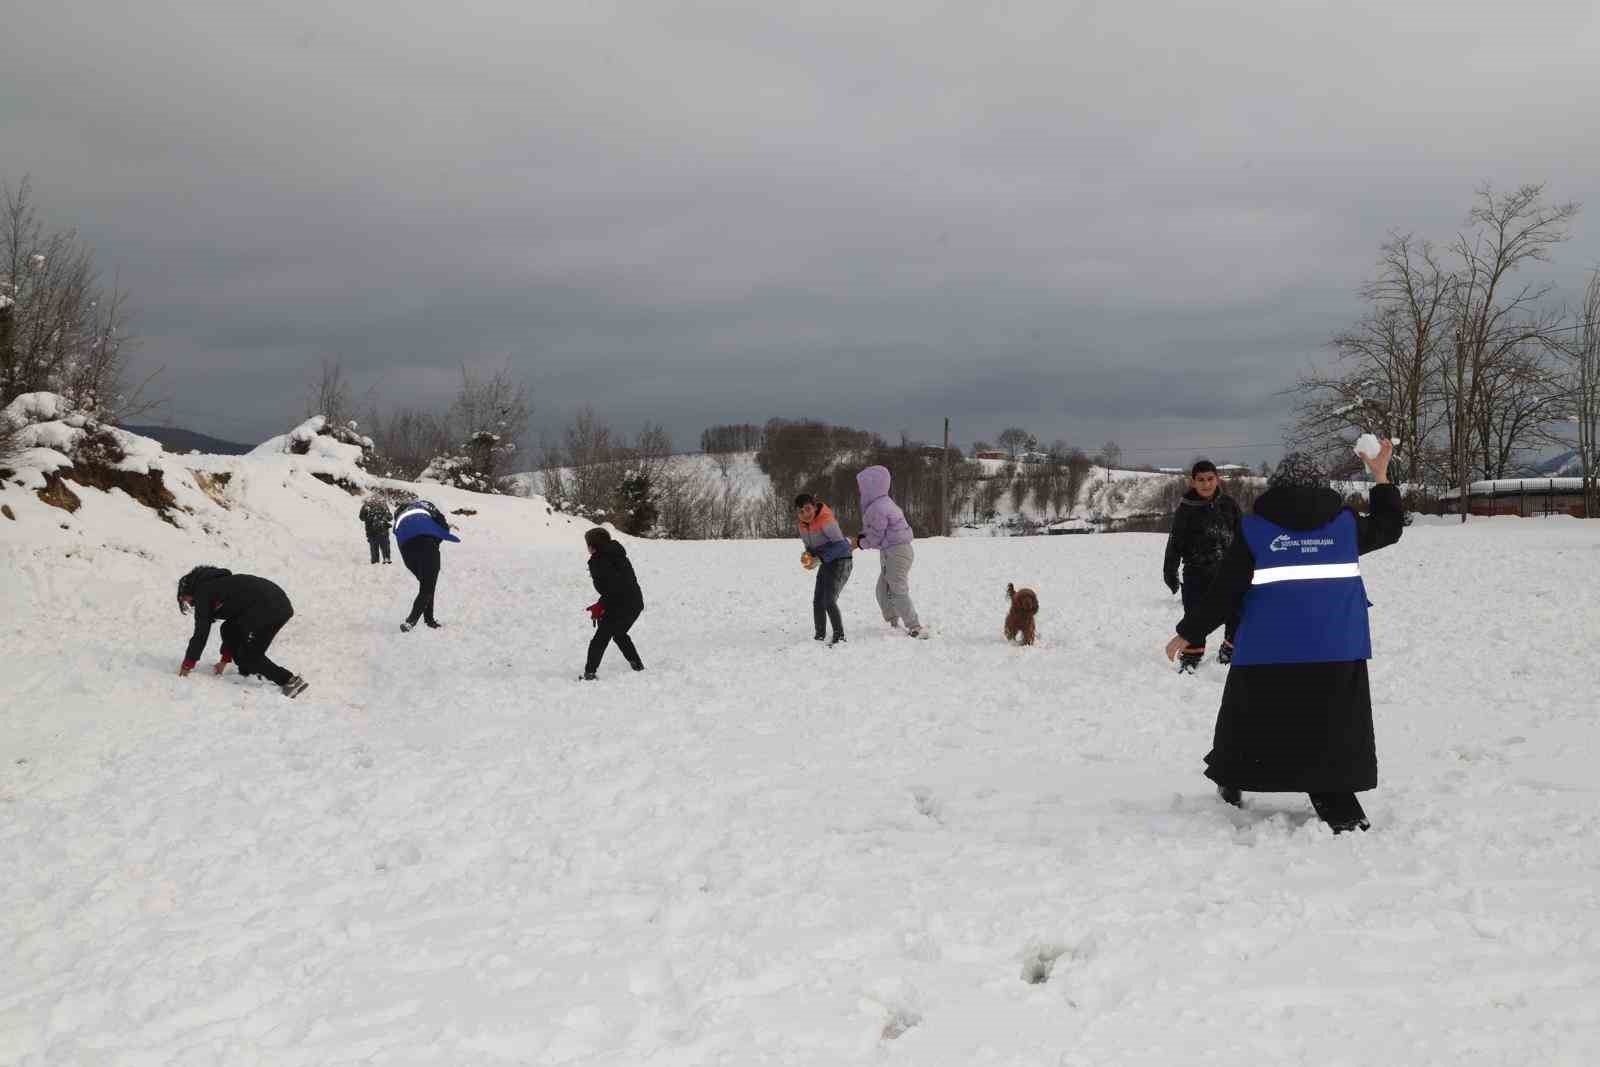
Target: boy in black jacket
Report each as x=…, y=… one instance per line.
x=620, y=601
x=252, y=611
x=1205, y=525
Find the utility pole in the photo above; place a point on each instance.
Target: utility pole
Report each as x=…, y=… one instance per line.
x=944, y=482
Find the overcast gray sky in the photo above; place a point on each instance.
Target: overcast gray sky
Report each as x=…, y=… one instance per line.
x=1097, y=220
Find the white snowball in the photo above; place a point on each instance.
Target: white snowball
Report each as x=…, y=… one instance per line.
x=1367, y=446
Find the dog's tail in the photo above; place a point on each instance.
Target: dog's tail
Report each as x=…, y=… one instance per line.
x=1011, y=591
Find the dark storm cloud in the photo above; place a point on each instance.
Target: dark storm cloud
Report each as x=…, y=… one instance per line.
x=1128, y=221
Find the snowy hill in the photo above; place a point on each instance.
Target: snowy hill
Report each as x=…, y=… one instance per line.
x=761, y=851
x=270, y=501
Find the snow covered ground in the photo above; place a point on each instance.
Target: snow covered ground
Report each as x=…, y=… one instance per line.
x=761, y=851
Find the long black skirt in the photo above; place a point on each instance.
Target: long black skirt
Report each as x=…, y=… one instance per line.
x=1295, y=728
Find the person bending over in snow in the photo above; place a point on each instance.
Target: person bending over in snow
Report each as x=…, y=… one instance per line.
x=1206, y=523
x=620, y=601
x=252, y=611
x=1296, y=713
x=826, y=544
x=884, y=527
x=377, y=519
x=419, y=528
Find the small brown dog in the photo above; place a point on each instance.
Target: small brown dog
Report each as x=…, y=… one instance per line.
x=1019, y=620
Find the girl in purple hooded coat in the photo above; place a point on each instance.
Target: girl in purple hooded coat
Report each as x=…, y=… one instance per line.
x=884, y=527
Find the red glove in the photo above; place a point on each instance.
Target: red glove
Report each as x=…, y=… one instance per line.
x=595, y=610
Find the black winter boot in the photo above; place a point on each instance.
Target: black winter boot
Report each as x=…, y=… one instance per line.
x=1341, y=811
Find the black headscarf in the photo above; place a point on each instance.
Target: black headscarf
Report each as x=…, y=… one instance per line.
x=1298, y=470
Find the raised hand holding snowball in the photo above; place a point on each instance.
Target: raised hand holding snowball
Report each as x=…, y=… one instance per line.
x=1376, y=455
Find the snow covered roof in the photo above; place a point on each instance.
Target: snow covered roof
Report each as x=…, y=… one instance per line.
x=1519, y=485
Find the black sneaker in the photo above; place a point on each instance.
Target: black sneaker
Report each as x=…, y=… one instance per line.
x=588, y=676
x=637, y=666
x=1230, y=795
x=820, y=637
x=838, y=639
x=405, y=627
x=434, y=624
x=1225, y=653
x=294, y=687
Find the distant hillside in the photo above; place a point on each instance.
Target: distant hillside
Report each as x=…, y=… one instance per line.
x=176, y=439
x=1567, y=464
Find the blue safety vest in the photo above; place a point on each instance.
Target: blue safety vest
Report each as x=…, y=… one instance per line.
x=415, y=520
x=1306, y=603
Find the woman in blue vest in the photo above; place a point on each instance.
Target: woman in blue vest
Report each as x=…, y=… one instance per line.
x=1296, y=713
x=419, y=528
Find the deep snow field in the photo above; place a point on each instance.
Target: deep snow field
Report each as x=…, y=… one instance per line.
x=761, y=851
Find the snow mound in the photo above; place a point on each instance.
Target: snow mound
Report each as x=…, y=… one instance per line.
x=320, y=439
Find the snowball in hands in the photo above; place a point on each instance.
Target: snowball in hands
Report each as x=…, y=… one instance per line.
x=1367, y=446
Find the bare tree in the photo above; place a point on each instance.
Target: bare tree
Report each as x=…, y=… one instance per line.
x=1492, y=319
x=407, y=440
x=1385, y=382
x=1521, y=394
x=597, y=464
x=330, y=395
x=66, y=335
x=1579, y=412
x=1014, y=439
x=489, y=418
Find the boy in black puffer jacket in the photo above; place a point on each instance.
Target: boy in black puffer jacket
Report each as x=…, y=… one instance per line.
x=252, y=611
x=1204, y=527
x=620, y=603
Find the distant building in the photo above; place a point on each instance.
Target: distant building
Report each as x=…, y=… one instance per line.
x=1527, y=497
x=992, y=455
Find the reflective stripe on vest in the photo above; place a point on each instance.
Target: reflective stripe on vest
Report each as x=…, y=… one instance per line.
x=1302, y=572
x=1306, y=602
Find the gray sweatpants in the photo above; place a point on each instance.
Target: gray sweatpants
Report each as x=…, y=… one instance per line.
x=894, y=585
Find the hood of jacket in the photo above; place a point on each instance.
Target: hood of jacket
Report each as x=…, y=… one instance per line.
x=1299, y=507
x=873, y=483
x=613, y=549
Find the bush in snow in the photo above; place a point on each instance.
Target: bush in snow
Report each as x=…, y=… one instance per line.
x=636, y=502
x=476, y=468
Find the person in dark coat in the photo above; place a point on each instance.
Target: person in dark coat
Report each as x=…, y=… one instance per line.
x=252, y=611
x=377, y=518
x=620, y=603
x=419, y=529
x=1204, y=527
x=1296, y=712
